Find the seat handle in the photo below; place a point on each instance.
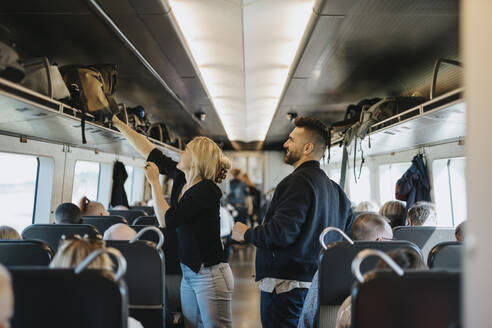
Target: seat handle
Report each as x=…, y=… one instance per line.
x=328, y=229
x=156, y=230
x=373, y=252
x=120, y=259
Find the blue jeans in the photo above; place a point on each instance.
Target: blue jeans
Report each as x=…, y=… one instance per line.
x=206, y=296
x=282, y=310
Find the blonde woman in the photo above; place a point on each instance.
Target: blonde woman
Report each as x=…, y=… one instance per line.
x=207, y=284
x=74, y=250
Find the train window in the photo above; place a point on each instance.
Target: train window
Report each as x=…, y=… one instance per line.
x=18, y=179
x=334, y=174
x=360, y=190
x=388, y=176
x=449, y=190
x=85, y=180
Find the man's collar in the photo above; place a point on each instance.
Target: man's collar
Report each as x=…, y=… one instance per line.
x=307, y=164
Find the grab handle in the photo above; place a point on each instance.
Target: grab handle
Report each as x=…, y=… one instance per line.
x=373, y=252
x=121, y=270
x=156, y=230
x=328, y=229
x=436, y=70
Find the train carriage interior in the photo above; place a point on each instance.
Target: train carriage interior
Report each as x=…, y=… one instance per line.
x=101, y=104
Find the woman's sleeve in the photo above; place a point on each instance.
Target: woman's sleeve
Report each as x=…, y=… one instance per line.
x=165, y=164
x=191, y=205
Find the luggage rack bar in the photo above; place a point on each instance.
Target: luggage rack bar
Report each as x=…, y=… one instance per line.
x=27, y=113
x=432, y=117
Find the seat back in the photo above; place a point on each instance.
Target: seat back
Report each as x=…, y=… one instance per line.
x=335, y=276
x=129, y=215
x=146, y=220
x=25, y=253
x=52, y=233
x=147, y=209
x=424, y=237
x=416, y=299
x=145, y=278
x=60, y=298
x=102, y=223
x=446, y=255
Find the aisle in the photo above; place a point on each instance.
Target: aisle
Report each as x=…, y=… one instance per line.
x=246, y=296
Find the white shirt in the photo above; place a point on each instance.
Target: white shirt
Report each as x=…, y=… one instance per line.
x=226, y=222
x=281, y=285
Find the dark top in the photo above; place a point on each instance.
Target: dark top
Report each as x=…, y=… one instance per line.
x=195, y=216
x=304, y=203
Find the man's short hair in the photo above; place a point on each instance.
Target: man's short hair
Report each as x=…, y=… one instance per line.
x=421, y=213
x=394, y=211
x=68, y=213
x=318, y=132
x=369, y=226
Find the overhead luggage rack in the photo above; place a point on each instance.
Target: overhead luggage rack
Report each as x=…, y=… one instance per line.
x=440, y=120
x=26, y=113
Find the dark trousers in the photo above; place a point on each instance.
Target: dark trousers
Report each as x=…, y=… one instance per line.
x=282, y=310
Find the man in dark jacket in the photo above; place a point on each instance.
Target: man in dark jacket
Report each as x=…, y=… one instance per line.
x=287, y=243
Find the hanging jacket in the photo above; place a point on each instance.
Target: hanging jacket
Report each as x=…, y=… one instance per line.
x=414, y=185
x=118, y=194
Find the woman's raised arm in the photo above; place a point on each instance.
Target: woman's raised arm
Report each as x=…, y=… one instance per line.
x=141, y=144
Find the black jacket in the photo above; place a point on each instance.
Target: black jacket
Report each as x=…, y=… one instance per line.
x=304, y=203
x=118, y=193
x=414, y=185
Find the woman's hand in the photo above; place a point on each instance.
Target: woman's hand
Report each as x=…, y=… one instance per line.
x=151, y=172
x=117, y=122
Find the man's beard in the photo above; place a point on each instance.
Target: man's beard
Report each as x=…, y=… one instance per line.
x=291, y=157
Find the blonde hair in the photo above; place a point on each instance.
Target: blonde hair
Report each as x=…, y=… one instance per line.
x=207, y=161
x=73, y=251
x=6, y=297
x=8, y=233
x=247, y=181
x=395, y=211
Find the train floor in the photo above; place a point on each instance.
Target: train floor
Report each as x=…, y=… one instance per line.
x=246, y=296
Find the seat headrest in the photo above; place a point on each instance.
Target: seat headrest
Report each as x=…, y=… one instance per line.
x=60, y=298
x=447, y=255
x=335, y=275
x=25, y=253
x=102, y=223
x=424, y=237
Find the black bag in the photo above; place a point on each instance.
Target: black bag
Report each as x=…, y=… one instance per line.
x=91, y=89
x=159, y=131
x=138, y=120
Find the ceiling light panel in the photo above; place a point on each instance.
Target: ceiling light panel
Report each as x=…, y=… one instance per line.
x=244, y=50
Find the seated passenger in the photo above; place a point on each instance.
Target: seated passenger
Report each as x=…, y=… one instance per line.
x=422, y=214
x=395, y=212
x=120, y=208
x=8, y=233
x=369, y=226
x=68, y=213
x=92, y=208
x=459, y=233
x=73, y=251
x=366, y=206
x=119, y=231
x=366, y=226
x=405, y=258
x=6, y=298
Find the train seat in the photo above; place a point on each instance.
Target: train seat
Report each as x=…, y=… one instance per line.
x=147, y=209
x=129, y=215
x=146, y=220
x=25, y=253
x=59, y=298
x=424, y=237
x=335, y=276
x=102, y=223
x=416, y=299
x=145, y=278
x=445, y=256
x=52, y=233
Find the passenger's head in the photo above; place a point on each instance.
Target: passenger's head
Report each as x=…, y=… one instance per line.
x=366, y=206
x=92, y=208
x=405, y=258
x=371, y=226
x=460, y=231
x=235, y=173
x=6, y=298
x=119, y=231
x=68, y=213
x=308, y=141
x=246, y=179
x=395, y=212
x=73, y=251
x=422, y=213
x=9, y=233
x=203, y=159
x=120, y=208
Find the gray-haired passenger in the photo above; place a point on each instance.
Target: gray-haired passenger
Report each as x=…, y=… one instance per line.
x=422, y=213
